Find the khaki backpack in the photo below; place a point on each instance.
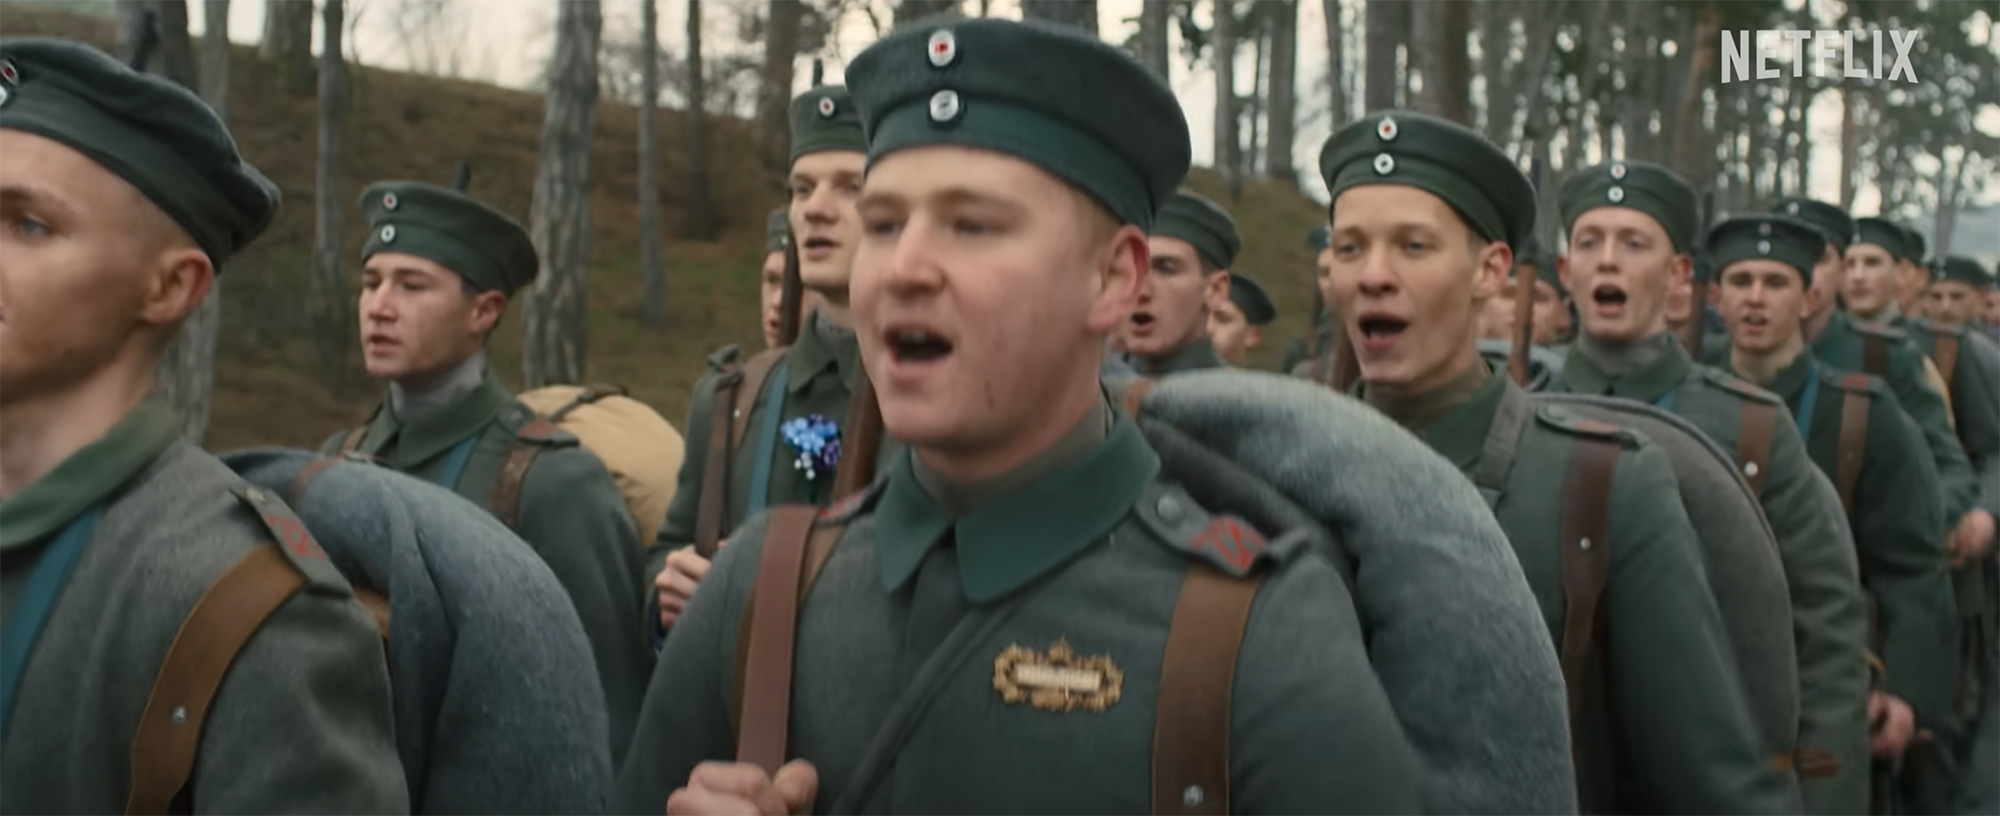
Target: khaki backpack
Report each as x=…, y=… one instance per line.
x=640, y=448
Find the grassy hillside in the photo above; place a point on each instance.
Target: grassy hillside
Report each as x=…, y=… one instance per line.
x=417, y=127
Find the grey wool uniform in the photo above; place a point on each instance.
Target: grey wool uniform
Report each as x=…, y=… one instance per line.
x=1663, y=724
x=461, y=434
x=1077, y=555
x=1829, y=616
x=103, y=557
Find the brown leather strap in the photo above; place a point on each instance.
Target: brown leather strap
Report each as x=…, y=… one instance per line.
x=754, y=374
x=1346, y=367
x=1135, y=395
x=506, y=501
x=715, y=470
x=589, y=394
x=1191, y=720
x=1524, y=326
x=1853, y=445
x=1874, y=355
x=223, y=620
x=861, y=441
x=763, y=729
x=1586, y=561
x=819, y=545
x=296, y=488
x=352, y=442
x=377, y=605
x=1946, y=355
x=1753, y=441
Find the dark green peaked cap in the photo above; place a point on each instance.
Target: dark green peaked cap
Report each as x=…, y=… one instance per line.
x=154, y=134
x=1832, y=221
x=1643, y=186
x=1203, y=224
x=1438, y=157
x=1249, y=295
x=1918, y=246
x=825, y=119
x=1080, y=108
x=778, y=230
x=485, y=247
x=1888, y=235
x=1967, y=271
x=1792, y=241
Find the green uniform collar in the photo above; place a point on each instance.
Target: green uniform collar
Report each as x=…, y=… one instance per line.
x=1647, y=383
x=823, y=344
x=1457, y=428
x=89, y=475
x=420, y=441
x=1014, y=540
x=1195, y=356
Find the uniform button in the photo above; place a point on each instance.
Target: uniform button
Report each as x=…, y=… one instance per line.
x=1193, y=796
x=1750, y=469
x=254, y=494
x=1583, y=543
x=1169, y=509
x=179, y=715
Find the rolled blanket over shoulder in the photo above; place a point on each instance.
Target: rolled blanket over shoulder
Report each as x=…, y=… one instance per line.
x=498, y=707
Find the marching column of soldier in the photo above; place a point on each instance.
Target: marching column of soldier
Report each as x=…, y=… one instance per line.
x=995, y=522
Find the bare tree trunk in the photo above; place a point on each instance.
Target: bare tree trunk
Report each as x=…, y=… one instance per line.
x=1079, y=13
x=175, y=58
x=1385, y=32
x=215, y=56
x=652, y=255
x=1452, y=61
x=1336, y=62
x=1226, y=143
x=1538, y=43
x=1951, y=182
x=1284, y=32
x=553, y=350
x=908, y=10
x=1850, y=145
x=1798, y=153
x=781, y=49
x=1153, y=21
x=332, y=310
x=188, y=367
x=1633, y=64
x=1252, y=107
x=288, y=28
x=1496, y=45
x=700, y=222
x=1694, y=147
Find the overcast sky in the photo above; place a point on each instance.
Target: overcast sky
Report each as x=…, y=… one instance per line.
x=507, y=41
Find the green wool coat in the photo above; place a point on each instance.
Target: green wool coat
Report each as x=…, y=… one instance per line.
x=301, y=723
x=1197, y=355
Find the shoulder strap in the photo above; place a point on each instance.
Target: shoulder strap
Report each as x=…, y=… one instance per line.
x=1874, y=355
x=1753, y=441
x=1586, y=559
x=589, y=394
x=1946, y=355
x=860, y=442
x=228, y=614
x=352, y=442
x=1497, y=457
x=755, y=373
x=1853, y=444
x=794, y=551
x=715, y=469
x=1191, y=724
x=506, y=501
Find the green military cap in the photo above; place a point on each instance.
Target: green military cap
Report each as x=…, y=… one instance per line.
x=156, y=135
x=485, y=247
x=1320, y=238
x=825, y=119
x=1793, y=241
x=1918, y=246
x=1249, y=295
x=1965, y=270
x=778, y=230
x=1073, y=105
x=1888, y=235
x=1203, y=224
x=1643, y=186
x=1832, y=221
x=1440, y=158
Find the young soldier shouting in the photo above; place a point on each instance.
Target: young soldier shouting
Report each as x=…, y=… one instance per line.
x=1193, y=243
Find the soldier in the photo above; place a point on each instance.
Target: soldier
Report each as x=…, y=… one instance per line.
x=1631, y=229
x=1193, y=243
x=1914, y=275
x=786, y=400
x=1956, y=300
x=1236, y=327
x=1024, y=497
x=771, y=276
x=1989, y=313
x=123, y=194
x=437, y=270
x=1664, y=693
x=1302, y=350
x=1862, y=440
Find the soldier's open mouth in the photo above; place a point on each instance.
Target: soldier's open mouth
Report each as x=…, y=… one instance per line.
x=917, y=346
x=1608, y=295
x=1142, y=319
x=1755, y=319
x=1382, y=328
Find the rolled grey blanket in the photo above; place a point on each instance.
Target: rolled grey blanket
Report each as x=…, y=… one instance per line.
x=1454, y=630
x=498, y=708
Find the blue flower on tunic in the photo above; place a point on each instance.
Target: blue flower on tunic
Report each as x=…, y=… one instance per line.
x=816, y=440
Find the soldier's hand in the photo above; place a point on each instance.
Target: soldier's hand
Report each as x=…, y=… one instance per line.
x=1891, y=724
x=676, y=583
x=742, y=789
x=1973, y=539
